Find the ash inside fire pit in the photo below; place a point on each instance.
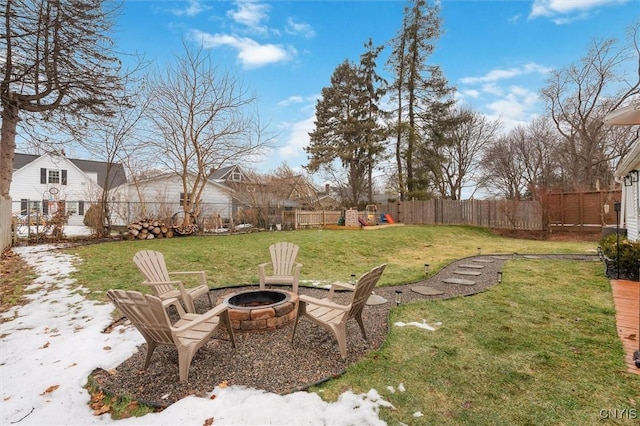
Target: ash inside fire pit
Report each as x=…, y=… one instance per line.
x=258, y=310
x=250, y=299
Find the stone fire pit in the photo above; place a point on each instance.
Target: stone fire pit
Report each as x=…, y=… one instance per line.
x=261, y=310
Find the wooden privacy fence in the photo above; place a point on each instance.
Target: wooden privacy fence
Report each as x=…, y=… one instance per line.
x=581, y=211
x=508, y=214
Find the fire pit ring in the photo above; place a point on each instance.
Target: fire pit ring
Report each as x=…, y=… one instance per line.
x=261, y=310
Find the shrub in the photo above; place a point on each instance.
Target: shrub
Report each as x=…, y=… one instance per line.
x=628, y=259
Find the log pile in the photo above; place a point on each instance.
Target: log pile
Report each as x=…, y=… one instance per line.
x=148, y=229
x=184, y=229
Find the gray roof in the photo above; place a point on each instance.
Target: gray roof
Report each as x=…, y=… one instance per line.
x=117, y=175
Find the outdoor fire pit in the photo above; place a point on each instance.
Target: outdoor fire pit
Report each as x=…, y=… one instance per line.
x=260, y=310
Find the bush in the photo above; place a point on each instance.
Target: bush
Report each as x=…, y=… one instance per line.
x=629, y=257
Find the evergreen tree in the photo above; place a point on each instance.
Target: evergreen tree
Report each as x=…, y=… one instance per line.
x=348, y=138
x=421, y=91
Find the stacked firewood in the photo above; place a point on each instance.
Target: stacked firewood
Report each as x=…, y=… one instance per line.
x=147, y=229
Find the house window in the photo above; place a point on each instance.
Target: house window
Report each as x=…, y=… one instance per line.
x=35, y=207
x=236, y=176
x=72, y=208
x=183, y=198
x=54, y=176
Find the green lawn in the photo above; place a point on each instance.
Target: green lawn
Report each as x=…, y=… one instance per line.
x=327, y=255
x=541, y=348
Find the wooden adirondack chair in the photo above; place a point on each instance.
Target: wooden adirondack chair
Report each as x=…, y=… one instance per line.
x=284, y=269
x=153, y=267
x=333, y=316
x=149, y=315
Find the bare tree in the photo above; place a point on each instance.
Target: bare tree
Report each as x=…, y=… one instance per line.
x=116, y=139
x=453, y=161
x=202, y=120
x=58, y=68
x=577, y=97
x=503, y=167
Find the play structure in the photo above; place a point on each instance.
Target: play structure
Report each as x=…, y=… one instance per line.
x=369, y=219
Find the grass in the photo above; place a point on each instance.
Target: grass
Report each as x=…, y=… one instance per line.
x=540, y=348
x=327, y=255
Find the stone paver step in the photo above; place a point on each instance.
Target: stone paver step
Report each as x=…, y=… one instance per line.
x=471, y=266
x=483, y=260
x=375, y=299
x=426, y=291
x=459, y=281
x=461, y=272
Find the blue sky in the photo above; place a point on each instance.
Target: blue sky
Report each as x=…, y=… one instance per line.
x=496, y=53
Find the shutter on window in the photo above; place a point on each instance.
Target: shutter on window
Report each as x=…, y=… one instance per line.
x=24, y=206
x=64, y=177
x=43, y=175
x=81, y=208
x=45, y=207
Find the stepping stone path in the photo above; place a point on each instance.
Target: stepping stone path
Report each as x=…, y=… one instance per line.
x=483, y=260
x=375, y=299
x=461, y=272
x=459, y=281
x=426, y=291
x=470, y=266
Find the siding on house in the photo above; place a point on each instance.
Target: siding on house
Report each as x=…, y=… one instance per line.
x=45, y=183
x=629, y=168
x=160, y=197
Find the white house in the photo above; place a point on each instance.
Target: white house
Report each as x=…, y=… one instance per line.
x=42, y=184
x=163, y=196
x=628, y=174
x=628, y=171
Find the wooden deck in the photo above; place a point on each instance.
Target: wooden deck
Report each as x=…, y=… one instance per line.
x=627, y=302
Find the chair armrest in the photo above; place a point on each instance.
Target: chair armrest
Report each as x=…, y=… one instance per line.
x=262, y=273
x=202, y=276
x=341, y=286
x=161, y=282
x=175, y=303
x=323, y=303
x=201, y=318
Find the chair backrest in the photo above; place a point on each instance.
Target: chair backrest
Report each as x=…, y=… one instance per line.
x=283, y=257
x=146, y=312
x=151, y=264
x=363, y=289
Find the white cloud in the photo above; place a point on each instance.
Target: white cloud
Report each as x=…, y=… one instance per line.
x=194, y=8
x=551, y=8
x=472, y=93
x=502, y=74
x=516, y=107
x=251, y=54
x=492, y=89
x=249, y=13
x=299, y=28
x=298, y=139
x=291, y=100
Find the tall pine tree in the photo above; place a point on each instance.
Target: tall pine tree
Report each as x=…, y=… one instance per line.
x=421, y=91
x=348, y=138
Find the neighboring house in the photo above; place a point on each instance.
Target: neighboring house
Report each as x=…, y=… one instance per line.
x=43, y=184
x=162, y=197
x=628, y=174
